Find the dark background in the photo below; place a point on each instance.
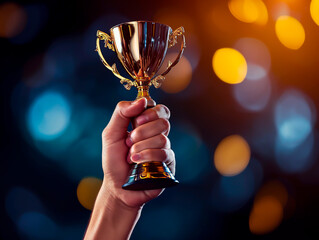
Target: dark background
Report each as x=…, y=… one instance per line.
x=54, y=51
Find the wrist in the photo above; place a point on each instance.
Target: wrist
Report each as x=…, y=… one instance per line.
x=112, y=201
x=111, y=218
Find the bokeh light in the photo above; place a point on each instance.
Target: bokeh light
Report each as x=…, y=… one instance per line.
x=48, y=116
x=276, y=189
x=268, y=209
x=290, y=32
x=257, y=57
x=253, y=95
x=232, y=155
x=249, y=11
x=12, y=19
x=229, y=65
x=37, y=225
x=266, y=215
x=295, y=159
x=87, y=191
x=179, y=77
x=314, y=11
x=294, y=117
x=280, y=9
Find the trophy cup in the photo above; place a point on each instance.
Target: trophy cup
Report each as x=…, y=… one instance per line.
x=141, y=47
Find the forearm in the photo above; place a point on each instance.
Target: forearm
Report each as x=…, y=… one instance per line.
x=111, y=219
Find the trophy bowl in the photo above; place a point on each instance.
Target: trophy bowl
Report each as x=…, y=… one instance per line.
x=141, y=47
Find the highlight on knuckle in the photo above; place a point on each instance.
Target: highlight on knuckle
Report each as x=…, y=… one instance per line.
x=104, y=133
x=137, y=135
x=163, y=140
x=165, y=123
x=164, y=154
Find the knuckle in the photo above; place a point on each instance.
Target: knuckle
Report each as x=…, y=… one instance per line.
x=134, y=148
x=156, y=112
x=137, y=134
x=164, y=154
x=120, y=105
x=165, y=124
x=167, y=111
x=163, y=140
x=104, y=133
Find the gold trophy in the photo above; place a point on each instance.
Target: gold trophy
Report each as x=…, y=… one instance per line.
x=141, y=47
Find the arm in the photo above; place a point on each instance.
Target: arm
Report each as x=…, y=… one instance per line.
x=116, y=211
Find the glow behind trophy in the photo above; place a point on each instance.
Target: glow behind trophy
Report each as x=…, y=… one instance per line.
x=141, y=47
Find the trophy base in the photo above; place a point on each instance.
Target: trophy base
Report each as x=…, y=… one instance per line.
x=150, y=175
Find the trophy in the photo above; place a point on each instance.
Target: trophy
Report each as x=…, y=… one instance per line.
x=141, y=47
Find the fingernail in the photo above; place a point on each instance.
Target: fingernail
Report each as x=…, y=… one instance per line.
x=129, y=141
x=141, y=120
x=135, y=157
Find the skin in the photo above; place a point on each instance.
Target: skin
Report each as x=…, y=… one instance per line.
x=116, y=211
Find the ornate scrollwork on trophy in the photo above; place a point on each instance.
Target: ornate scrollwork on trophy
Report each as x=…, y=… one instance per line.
x=127, y=83
x=173, y=36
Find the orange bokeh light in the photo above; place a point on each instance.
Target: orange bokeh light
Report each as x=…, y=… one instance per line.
x=249, y=11
x=229, y=65
x=12, y=19
x=314, y=11
x=290, y=32
x=232, y=155
x=275, y=189
x=179, y=77
x=87, y=191
x=266, y=215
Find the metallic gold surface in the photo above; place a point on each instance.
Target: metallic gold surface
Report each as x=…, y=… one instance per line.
x=141, y=47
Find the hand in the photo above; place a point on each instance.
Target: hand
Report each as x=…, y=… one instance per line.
x=147, y=142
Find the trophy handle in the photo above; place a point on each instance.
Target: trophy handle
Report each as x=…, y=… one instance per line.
x=127, y=83
x=158, y=80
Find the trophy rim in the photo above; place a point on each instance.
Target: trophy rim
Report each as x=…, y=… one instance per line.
x=140, y=21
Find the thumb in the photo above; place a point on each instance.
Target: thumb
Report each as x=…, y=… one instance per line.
x=124, y=111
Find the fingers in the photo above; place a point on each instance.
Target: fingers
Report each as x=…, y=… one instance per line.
x=158, y=141
x=154, y=155
x=124, y=111
x=148, y=130
x=159, y=111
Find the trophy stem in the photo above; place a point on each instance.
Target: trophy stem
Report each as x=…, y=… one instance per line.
x=143, y=91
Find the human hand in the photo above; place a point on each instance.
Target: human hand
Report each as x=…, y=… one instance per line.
x=147, y=142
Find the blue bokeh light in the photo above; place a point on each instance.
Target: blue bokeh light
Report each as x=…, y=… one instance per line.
x=296, y=159
x=48, y=116
x=294, y=118
x=253, y=94
x=36, y=225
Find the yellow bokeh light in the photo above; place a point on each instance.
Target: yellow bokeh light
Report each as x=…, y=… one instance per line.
x=249, y=11
x=314, y=11
x=290, y=32
x=266, y=215
x=229, y=65
x=232, y=155
x=12, y=19
x=87, y=191
x=180, y=75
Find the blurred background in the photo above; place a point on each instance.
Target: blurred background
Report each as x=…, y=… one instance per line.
x=244, y=102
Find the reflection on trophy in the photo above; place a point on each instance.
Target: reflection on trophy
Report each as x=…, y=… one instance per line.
x=141, y=47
